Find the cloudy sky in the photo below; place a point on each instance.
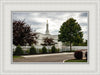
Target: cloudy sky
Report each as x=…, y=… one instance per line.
x=38, y=20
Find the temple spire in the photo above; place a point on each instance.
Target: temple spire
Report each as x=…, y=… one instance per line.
x=47, y=29
x=47, y=21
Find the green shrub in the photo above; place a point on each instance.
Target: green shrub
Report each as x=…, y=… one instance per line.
x=40, y=51
x=78, y=54
x=50, y=51
x=27, y=51
x=32, y=50
x=53, y=49
x=18, y=51
x=44, y=50
x=57, y=50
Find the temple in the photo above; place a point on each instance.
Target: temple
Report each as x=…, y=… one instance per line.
x=41, y=37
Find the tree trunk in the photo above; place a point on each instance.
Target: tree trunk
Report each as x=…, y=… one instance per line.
x=70, y=47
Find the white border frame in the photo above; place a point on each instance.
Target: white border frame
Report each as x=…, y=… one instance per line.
x=6, y=68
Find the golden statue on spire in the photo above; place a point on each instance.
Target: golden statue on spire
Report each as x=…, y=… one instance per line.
x=47, y=21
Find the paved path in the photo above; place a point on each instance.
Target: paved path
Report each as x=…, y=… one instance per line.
x=56, y=57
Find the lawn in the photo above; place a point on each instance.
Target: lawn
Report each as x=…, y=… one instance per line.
x=16, y=56
x=70, y=51
x=75, y=60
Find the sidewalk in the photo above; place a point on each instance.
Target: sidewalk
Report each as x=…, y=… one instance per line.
x=41, y=55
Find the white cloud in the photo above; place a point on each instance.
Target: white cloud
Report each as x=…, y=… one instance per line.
x=37, y=20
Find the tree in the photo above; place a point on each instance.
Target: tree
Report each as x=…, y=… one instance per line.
x=84, y=43
x=70, y=32
x=22, y=34
x=48, y=42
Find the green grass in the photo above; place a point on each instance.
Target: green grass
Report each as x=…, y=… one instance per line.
x=69, y=51
x=75, y=60
x=16, y=56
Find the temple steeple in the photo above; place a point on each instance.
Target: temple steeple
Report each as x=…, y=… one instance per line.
x=47, y=29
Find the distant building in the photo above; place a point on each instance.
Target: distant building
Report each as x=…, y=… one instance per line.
x=41, y=37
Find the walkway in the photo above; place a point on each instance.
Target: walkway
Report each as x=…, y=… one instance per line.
x=56, y=57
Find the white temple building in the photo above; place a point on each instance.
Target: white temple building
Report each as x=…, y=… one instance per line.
x=40, y=40
x=41, y=37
